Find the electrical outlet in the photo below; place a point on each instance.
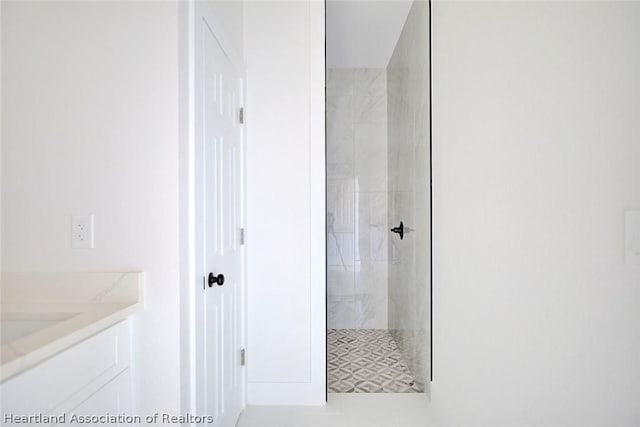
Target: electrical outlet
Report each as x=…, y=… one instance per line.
x=82, y=231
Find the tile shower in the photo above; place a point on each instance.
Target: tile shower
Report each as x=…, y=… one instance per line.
x=357, y=235
x=377, y=176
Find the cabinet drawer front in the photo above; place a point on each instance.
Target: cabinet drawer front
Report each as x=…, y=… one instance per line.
x=47, y=385
x=112, y=398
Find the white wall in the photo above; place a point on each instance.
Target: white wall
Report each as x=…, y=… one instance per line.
x=362, y=34
x=536, y=154
x=285, y=200
x=90, y=108
x=230, y=16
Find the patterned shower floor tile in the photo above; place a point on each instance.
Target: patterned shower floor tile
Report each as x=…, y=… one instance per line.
x=366, y=361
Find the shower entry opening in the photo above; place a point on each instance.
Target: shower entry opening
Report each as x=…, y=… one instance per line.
x=378, y=224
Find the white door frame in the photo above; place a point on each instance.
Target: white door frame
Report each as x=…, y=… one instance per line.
x=191, y=12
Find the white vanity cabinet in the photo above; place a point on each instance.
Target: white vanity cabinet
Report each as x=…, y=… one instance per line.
x=90, y=378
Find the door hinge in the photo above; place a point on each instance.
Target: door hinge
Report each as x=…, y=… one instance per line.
x=242, y=236
x=204, y=282
x=241, y=116
x=243, y=357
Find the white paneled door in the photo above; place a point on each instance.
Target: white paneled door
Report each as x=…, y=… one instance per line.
x=219, y=152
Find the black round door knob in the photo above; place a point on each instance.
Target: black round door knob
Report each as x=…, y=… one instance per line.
x=219, y=279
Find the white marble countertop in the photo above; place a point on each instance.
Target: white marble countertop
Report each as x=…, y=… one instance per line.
x=68, y=308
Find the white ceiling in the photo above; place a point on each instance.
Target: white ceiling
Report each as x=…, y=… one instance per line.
x=363, y=34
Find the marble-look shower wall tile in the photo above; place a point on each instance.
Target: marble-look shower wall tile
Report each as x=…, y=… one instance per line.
x=370, y=278
x=370, y=82
x=341, y=314
x=340, y=249
x=402, y=273
x=372, y=227
x=357, y=168
x=422, y=293
x=371, y=157
x=372, y=311
x=340, y=81
x=371, y=294
x=408, y=179
x=340, y=117
x=400, y=159
x=342, y=304
x=341, y=210
x=341, y=282
x=340, y=136
x=396, y=305
x=397, y=105
x=339, y=170
x=370, y=109
x=422, y=342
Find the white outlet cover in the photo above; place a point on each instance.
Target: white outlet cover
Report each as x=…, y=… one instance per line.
x=632, y=237
x=82, y=231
